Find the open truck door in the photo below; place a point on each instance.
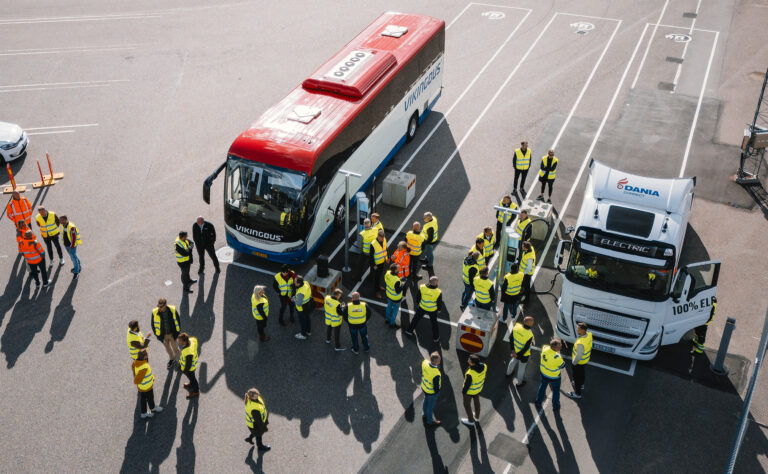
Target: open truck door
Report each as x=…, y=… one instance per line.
x=693, y=292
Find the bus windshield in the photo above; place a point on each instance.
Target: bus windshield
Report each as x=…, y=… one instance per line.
x=267, y=198
x=617, y=275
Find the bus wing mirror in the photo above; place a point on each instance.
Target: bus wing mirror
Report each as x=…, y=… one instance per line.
x=209, y=182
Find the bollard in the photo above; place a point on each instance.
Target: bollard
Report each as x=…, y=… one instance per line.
x=42, y=180
x=718, y=367
x=10, y=175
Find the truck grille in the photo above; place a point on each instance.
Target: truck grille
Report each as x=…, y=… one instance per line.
x=611, y=329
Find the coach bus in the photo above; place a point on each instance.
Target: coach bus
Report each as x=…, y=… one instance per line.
x=283, y=193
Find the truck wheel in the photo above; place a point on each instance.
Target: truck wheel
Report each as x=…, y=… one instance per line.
x=413, y=124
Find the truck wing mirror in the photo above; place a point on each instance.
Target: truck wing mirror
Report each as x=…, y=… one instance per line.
x=559, y=254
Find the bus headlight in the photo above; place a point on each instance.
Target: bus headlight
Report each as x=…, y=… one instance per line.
x=562, y=323
x=652, y=345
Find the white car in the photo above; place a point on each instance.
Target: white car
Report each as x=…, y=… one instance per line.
x=13, y=142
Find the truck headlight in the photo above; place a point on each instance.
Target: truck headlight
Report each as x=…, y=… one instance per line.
x=562, y=323
x=652, y=345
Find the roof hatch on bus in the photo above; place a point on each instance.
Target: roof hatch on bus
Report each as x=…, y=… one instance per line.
x=354, y=75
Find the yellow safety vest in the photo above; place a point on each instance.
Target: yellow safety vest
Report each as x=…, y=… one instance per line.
x=390, y=281
x=431, y=225
x=482, y=288
x=306, y=296
x=156, y=320
x=428, y=374
x=551, y=363
x=465, y=270
x=379, y=251
x=429, y=296
x=520, y=336
x=487, y=244
x=514, y=282
x=259, y=406
x=356, y=313
x=481, y=260
x=414, y=242
x=185, y=245
x=332, y=316
x=70, y=226
x=478, y=380
x=149, y=378
x=378, y=226
x=255, y=302
x=191, y=349
x=500, y=214
x=550, y=174
x=523, y=159
x=283, y=284
x=48, y=226
x=521, y=225
x=129, y=338
x=586, y=343
x=368, y=235
x=528, y=262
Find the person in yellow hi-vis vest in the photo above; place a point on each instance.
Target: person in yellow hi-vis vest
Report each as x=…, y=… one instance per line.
x=356, y=314
x=474, y=379
x=188, y=363
x=183, y=247
x=256, y=418
x=503, y=218
x=551, y=365
x=135, y=339
x=379, y=261
x=48, y=223
x=71, y=240
x=333, y=316
x=260, y=310
x=521, y=161
x=431, y=381
x=145, y=380
x=367, y=235
x=302, y=298
x=415, y=241
x=547, y=173
x=430, y=300
x=582, y=350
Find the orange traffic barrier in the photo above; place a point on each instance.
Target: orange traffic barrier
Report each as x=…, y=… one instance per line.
x=47, y=179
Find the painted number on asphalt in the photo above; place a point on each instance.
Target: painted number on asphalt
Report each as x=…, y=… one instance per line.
x=678, y=37
x=582, y=27
x=494, y=15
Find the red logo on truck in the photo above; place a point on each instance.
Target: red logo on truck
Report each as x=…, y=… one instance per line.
x=621, y=183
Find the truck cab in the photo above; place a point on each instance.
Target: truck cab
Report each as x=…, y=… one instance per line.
x=623, y=273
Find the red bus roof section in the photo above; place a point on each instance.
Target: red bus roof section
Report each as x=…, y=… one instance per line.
x=294, y=132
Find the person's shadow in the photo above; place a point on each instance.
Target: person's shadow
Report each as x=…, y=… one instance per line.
x=438, y=466
x=480, y=463
x=256, y=466
x=62, y=317
x=185, y=453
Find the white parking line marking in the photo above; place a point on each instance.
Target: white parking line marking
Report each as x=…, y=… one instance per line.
x=632, y=368
x=648, y=46
x=533, y=426
x=589, y=152
x=73, y=49
x=698, y=107
x=686, y=28
x=588, y=16
x=58, y=85
x=63, y=126
x=249, y=267
x=448, y=112
x=498, y=6
x=67, y=19
x=685, y=50
x=458, y=16
x=50, y=133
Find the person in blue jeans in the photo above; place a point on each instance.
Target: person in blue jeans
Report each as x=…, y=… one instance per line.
x=469, y=269
x=551, y=365
x=356, y=315
x=430, y=383
x=71, y=238
x=395, y=288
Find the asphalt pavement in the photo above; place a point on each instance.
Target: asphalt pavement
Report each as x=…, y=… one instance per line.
x=137, y=103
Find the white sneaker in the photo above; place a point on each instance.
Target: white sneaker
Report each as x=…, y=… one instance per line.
x=144, y=415
x=466, y=421
x=61, y=262
x=300, y=336
x=50, y=264
x=157, y=409
x=148, y=414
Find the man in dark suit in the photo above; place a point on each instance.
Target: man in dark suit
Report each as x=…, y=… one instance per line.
x=204, y=236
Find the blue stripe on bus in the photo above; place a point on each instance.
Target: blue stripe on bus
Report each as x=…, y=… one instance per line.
x=302, y=255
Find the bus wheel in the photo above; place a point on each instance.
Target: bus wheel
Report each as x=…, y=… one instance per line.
x=413, y=124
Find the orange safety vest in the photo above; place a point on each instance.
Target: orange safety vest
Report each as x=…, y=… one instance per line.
x=18, y=210
x=32, y=250
x=403, y=259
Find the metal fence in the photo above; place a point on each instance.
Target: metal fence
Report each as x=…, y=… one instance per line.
x=744, y=418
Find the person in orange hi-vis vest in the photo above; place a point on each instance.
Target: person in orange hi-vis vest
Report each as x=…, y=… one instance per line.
x=19, y=208
x=33, y=252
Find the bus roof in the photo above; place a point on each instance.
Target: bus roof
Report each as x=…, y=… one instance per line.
x=294, y=132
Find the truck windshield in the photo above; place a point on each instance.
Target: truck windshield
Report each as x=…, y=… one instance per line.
x=268, y=198
x=618, y=275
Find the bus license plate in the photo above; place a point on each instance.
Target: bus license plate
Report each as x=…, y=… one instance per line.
x=259, y=254
x=603, y=348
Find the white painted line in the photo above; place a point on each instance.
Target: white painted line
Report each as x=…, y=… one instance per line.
x=249, y=267
x=466, y=135
x=409, y=311
x=588, y=16
x=698, y=108
x=58, y=85
x=74, y=49
x=52, y=88
x=67, y=19
x=561, y=214
x=630, y=372
x=533, y=425
x=50, y=133
x=458, y=16
x=499, y=6
x=686, y=28
x=648, y=46
x=632, y=368
x=685, y=50
x=63, y=126
x=446, y=114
